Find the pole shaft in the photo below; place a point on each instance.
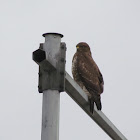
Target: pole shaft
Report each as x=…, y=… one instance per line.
x=50, y=115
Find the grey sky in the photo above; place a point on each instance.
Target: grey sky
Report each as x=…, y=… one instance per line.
x=110, y=27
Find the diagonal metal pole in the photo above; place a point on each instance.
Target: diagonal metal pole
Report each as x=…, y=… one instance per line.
x=78, y=95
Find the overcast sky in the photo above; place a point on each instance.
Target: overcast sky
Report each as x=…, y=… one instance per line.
x=110, y=27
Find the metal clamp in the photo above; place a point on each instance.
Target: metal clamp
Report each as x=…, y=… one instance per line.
x=50, y=69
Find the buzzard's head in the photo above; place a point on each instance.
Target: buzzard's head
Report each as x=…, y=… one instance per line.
x=83, y=47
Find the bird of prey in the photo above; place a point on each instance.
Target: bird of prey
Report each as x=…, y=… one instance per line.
x=87, y=75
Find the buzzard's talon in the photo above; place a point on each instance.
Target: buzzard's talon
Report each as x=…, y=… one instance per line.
x=91, y=105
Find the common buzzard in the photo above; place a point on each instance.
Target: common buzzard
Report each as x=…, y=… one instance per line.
x=87, y=75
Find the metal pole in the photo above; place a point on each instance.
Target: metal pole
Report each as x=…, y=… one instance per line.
x=51, y=98
x=50, y=115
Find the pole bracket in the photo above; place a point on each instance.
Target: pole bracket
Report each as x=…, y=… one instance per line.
x=51, y=72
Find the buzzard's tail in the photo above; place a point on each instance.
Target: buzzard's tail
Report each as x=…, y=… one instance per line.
x=98, y=102
x=91, y=103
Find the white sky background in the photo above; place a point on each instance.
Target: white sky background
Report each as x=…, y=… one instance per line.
x=110, y=27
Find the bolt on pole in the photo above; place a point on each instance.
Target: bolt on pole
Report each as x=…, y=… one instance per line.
x=51, y=82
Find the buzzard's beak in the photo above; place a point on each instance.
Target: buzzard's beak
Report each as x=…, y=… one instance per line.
x=77, y=47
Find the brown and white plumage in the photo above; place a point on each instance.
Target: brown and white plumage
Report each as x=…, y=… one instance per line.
x=87, y=74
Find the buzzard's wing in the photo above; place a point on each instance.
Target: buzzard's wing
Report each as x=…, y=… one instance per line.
x=101, y=81
x=90, y=74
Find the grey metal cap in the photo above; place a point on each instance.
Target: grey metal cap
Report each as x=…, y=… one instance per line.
x=52, y=34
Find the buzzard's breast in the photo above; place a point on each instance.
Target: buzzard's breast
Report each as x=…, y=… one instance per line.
x=76, y=76
x=74, y=67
